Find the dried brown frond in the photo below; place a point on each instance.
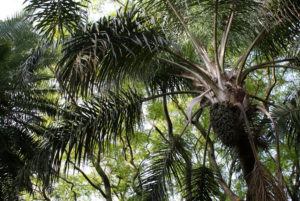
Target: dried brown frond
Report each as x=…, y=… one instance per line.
x=263, y=186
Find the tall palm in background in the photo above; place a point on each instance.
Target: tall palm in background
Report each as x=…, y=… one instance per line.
x=23, y=106
x=206, y=49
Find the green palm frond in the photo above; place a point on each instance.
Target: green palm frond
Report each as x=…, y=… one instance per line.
x=284, y=10
x=204, y=185
x=288, y=119
x=94, y=124
x=164, y=77
x=165, y=165
x=56, y=18
x=24, y=108
x=18, y=146
x=201, y=13
x=108, y=51
x=11, y=30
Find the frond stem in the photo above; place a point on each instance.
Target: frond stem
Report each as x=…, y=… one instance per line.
x=217, y=66
x=271, y=87
x=245, y=56
x=224, y=40
x=250, y=135
x=188, y=122
x=205, y=149
x=200, y=76
x=184, y=60
x=199, y=48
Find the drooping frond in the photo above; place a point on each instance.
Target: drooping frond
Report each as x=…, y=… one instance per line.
x=165, y=77
x=94, y=124
x=108, y=51
x=204, y=185
x=17, y=147
x=24, y=108
x=56, y=18
x=165, y=165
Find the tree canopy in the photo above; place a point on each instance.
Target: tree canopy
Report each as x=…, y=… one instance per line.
x=163, y=100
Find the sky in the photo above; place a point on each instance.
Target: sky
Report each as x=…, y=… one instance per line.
x=9, y=7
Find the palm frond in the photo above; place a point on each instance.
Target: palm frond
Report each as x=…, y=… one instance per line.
x=94, y=124
x=10, y=31
x=23, y=110
x=288, y=119
x=204, y=185
x=284, y=10
x=165, y=165
x=108, y=51
x=164, y=77
x=56, y=18
x=18, y=146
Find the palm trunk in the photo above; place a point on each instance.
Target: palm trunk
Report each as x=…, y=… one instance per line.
x=225, y=120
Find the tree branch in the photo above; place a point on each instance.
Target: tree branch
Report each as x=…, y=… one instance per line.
x=262, y=100
x=230, y=172
x=157, y=129
x=72, y=186
x=88, y=179
x=104, y=177
x=168, y=119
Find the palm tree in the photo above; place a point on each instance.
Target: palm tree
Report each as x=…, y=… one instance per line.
x=22, y=103
x=209, y=50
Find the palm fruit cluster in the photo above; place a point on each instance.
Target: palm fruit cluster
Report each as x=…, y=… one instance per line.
x=224, y=121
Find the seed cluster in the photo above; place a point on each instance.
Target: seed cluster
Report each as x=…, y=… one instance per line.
x=224, y=121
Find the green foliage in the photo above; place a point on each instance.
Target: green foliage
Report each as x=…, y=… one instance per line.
x=107, y=51
x=56, y=17
x=23, y=108
x=163, y=48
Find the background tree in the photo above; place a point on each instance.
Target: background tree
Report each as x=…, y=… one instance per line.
x=24, y=108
